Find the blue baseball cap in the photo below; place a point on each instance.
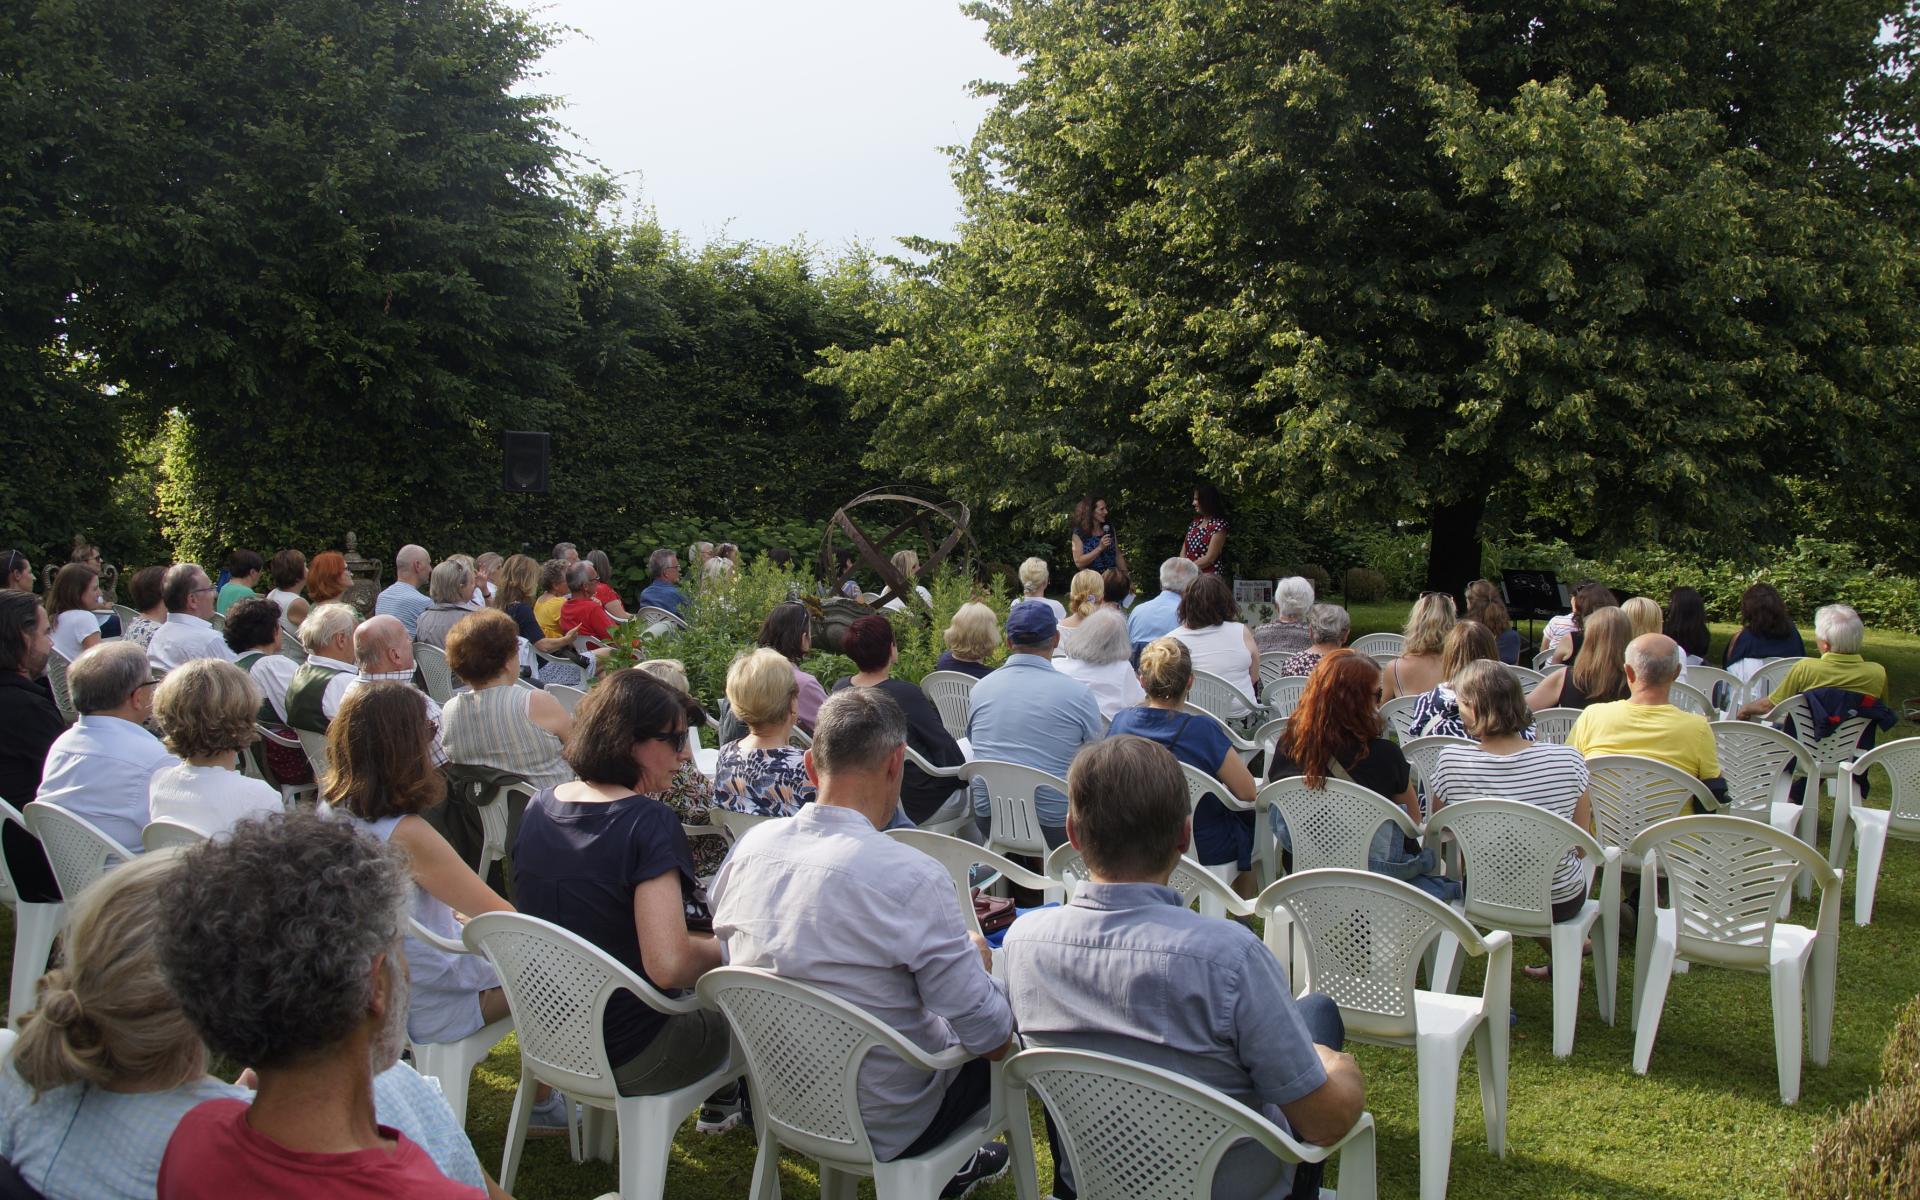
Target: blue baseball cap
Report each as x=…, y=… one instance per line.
x=1030, y=622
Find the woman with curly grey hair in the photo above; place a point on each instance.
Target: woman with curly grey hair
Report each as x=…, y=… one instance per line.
x=206, y=708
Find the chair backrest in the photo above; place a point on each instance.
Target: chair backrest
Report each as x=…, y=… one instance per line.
x=735, y=823
x=650, y=615
x=1200, y=784
x=290, y=646
x=78, y=852
x=219, y=622
x=952, y=693
x=1629, y=793
x=1422, y=752
x=1271, y=670
x=1829, y=747
x=1014, y=823
x=1900, y=759
x=434, y=671
x=1067, y=867
x=162, y=832
x=1726, y=878
x=568, y=695
x=557, y=986
x=57, y=665
x=1767, y=677
x=1527, y=676
x=1270, y=733
x=1757, y=762
x=315, y=747
x=15, y=837
x=1710, y=680
x=1245, y=745
x=799, y=737
x=1365, y=936
x=1137, y=1131
x=927, y=768
x=1331, y=825
x=1282, y=695
x=804, y=1048
x=127, y=615
x=1221, y=697
x=1543, y=660
x=1379, y=643
x=1554, y=724
x=1397, y=713
x=960, y=856
x=1687, y=698
x=1512, y=850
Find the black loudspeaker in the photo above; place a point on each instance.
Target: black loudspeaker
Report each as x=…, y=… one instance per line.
x=525, y=467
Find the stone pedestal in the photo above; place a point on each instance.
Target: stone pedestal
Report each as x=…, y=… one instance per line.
x=366, y=579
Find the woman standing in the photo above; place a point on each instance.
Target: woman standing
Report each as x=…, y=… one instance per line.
x=70, y=604
x=1093, y=546
x=1206, y=536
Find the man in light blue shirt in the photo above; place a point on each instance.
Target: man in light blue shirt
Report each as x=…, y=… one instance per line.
x=403, y=598
x=101, y=768
x=1125, y=968
x=1160, y=616
x=664, y=590
x=1028, y=713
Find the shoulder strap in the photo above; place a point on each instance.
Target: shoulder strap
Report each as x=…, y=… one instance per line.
x=1336, y=770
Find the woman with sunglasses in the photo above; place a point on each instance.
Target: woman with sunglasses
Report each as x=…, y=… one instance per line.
x=18, y=572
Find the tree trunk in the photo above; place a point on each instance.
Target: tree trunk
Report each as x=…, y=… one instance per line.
x=1453, y=544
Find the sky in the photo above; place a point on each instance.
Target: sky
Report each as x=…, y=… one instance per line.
x=770, y=121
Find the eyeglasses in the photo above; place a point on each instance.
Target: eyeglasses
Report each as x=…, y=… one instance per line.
x=676, y=741
x=208, y=588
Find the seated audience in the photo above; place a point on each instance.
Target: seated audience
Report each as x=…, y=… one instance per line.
x=403, y=598
x=1646, y=723
x=603, y=858
x=108, y=1061
x=519, y=587
x=288, y=570
x=908, y=564
x=973, y=634
x=663, y=569
x=1160, y=616
x=1418, y=667
x=691, y=793
x=869, y=643
x=566, y=552
x=1100, y=656
x=70, y=604
x=486, y=577
x=1086, y=591
x=602, y=585
x=1126, y=968
x=254, y=634
x=497, y=723
x=383, y=653
x=1766, y=631
x=244, y=569
x=103, y=766
x=581, y=612
x=553, y=597
x=1220, y=835
x=327, y=579
x=1643, y=615
x=320, y=683
x=145, y=593
x=1034, y=578
x=826, y=899
x=1030, y=714
x=1686, y=624
x=789, y=629
x=32, y=721
x=762, y=773
x=1287, y=634
x=719, y=570
x=1598, y=674
x=283, y=947
x=698, y=555
x=1485, y=606
x=1437, y=713
x=189, y=632
x=1839, y=634
x=1116, y=587
x=450, y=589
x=207, y=711
x=1219, y=644
x=1328, y=626
x=1560, y=628
x=1588, y=599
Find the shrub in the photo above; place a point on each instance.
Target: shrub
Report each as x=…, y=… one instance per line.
x=1874, y=1148
x=1317, y=575
x=1363, y=585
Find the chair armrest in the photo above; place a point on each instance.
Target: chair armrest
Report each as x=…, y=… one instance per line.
x=694, y=831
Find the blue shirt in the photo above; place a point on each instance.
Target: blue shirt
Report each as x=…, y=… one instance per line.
x=662, y=594
x=403, y=600
x=1156, y=618
x=1028, y=713
x=1126, y=969
x=101, y=769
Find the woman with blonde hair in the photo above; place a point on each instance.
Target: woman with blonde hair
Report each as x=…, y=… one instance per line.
x=1437, y=712
x=1643, y=616
x=908, y=564
x=206, y=708
x=1599, y=671
x=1419, y=669
x=1034, y=577
x=972, y=636
x=763, y=773
x=1085, y=593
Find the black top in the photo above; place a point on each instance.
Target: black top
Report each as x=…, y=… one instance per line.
x=1383, y=770
x=921, y=795
x=1572, y=697
x=949, y=663
x=32, y=723
x=522, y=614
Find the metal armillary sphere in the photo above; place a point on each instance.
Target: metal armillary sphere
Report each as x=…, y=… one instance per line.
x=914, y=518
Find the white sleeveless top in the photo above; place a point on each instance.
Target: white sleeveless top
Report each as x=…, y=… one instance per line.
x=1220, y=650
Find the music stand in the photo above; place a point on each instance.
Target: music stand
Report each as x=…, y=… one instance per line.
x=1534, y=595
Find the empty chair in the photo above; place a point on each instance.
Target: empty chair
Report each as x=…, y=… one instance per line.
x=1013, y=824
x=1727, y=878
x=1364, y=937
x=434, y=672
x=1373, y=644
x=78, y=852
x=452, y=1063
x=1759, y=762
x=1193, y=881
x=1872, y=827
x=165, y=831
x=1398, y=715
x=1135, y=1132
x=951, y=692
x=1688, y=698
x=1554, y=724
x=568, y=695
x=35, y=922
x=960, y=857
x=1722, y=688
x=1282, y=696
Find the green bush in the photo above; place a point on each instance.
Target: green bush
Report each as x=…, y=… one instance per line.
x=1399, y=558
x=1315, y=574
x=754, y=538
x=1363, y=585
x=1873, y=1150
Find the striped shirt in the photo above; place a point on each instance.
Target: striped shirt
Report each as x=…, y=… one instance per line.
x=1548, y=775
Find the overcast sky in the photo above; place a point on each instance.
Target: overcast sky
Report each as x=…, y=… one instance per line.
x=767, y=120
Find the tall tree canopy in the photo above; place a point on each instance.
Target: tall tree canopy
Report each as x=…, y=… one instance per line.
x=1627, y=268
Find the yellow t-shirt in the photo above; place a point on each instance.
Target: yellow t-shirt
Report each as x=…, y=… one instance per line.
x=1848, y=671
x=1657, y=731
x=546, y=610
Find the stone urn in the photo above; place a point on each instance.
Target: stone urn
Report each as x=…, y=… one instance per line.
x=831, y=621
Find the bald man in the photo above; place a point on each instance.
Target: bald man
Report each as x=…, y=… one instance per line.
x=384, y=653
x=405, y=597
x=1646, y=723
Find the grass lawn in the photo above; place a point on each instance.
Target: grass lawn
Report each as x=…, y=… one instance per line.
x=1705, y=1122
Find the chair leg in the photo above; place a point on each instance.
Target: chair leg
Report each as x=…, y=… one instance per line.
x=34, y=928
x=1809, y=832
x=1358, y=1169
x=1020, y=1153
x=1438, y=1079
x=646, y=1145
x=1565, y=941
x=766, y=1167
x=1872, y=837
x=1490, y=1057
x=1842, y=814
x=1787, y=980
x=518, y=1118
x=836, y=1184
x=1606, y=963
x=1652, y=998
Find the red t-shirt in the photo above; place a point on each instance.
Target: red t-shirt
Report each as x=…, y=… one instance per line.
x=216, y=1155
x=589, y=615
x=605, y=594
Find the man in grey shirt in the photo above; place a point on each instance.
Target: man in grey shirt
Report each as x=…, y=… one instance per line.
x=824, y=898
x=1127, y=969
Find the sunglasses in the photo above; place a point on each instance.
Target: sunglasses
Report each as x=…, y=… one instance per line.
x=676, y=741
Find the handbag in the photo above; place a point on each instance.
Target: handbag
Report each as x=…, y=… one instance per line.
x=993, y=912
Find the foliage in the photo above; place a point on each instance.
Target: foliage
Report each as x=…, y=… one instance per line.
x=678, y=533
x=1363, y=585
x=1874, y=1148
x=1313, y=573
x=921, y=635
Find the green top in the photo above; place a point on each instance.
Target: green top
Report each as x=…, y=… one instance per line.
x=231, y=595
x=1848, y=671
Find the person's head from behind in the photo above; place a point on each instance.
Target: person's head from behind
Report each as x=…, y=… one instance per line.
x=671, y=670
x=382, y=645
x=1837, y=629
x=1763, y=612
x=1207, y=602
x=207, y=708
x=327, y=577
x=869, y=643
x=788, y=629
x=663, y=565
x=1590, y=598
x=483, y=646
x=553, y=578
x=25, y=634
x=1177, y=574
x=282, y=943
x=253, y=624
x=112, y=679
x=146, y=589
x=1492, y=702
x=1643, y=615
x=907, y=563
x=1115, y=585
x=1127, y=810
x=75, y=588
x=580, y=580
x=1653, y=662
x=719, y=569
x=245, y=566
x=1032, y=629
x=1166, y=671
x=1338, y=715
x=380, y=753
x=762, y=690
x=973, y=633
x=451, y=583
x=1328, y=625
x=1292, y=598
x=1600, y=667
x=412, y=564
x=187, y=590
x=631, y=732
x=1034, y=576
x=1101, y=639
x=1467, y=641
x=1428, y=624
x=1085, y=592
x=106, y=1016
x=328, y=631
x=517, y=581
x=1686, y=621
x=859, y=740
x=566, y=552
x=1479, y=592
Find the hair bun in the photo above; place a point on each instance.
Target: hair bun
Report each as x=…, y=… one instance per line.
x=59, y=1004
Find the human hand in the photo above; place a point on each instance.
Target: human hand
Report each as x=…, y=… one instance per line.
x=986, y=951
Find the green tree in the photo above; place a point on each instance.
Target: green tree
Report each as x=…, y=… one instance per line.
x=1626, y=271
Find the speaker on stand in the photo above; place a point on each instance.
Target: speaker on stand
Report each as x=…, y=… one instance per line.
x=524, y=466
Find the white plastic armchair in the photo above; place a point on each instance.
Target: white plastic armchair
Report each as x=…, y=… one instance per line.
x=1422, y=753
x=1199, y=786
x=1727, y=877
x=1527, y=676
x=1758, y=762
x=1282, y=696
x=76, y=848
x=951, y=825
x=1554, y=724
x=952, y=693
x=1765, y=678
x=162, y=832
x=1687, y=698
x=1397, y=713
x=35, y=924
x=1364, y=937
x=1628, y=793
x=256, y=754
x=1331, y=825
x=1828, y=751
x=491, y=792
x=735, y=823
x=803, y=1049
x=1709, y=680
x=657, y=620
x=1512, y=850
x=1246, y=747
x=57, y=665
x=557, y=986
x=1872, y=827
x=1135, y=1132
x=959, y=857
x=434, y=671
x=314, y=746
x=290, y=647
x=568, y=695
x=1379, y=643
x=1068, y=868
x=1266, y=739
x=1224, y=698
x=1013, y=821
x=451, y=1064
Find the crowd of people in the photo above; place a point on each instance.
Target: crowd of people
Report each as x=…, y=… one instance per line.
x=286, y=942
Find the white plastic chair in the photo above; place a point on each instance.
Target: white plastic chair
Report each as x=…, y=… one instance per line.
x=1200, y=784
x=1282, y=696
x=1709, y=680
x=57, y=665
x=952, y=825
x=1013, y=825
x=1135, y=1132
x=1270, y=670
x=1543, y=660
x=1554, y=724
x=706, y=758
x=35, y=924
x=1727, y=877
x=314, y=745
x=568, y=695
x=1223, y=698
x=78, y=852
x=1266, y=739
x=452, y=1063
x=162, y=832
x=1391, y=644
x=1246, y=747
x=557, y=986
x=952, y=693
x=650, y=616
x=803, y=1049
x=490, y=792
x=1332, y=825
x=1629, y=793
x=1871, y=826
x=1766, y=677
x=1422, y=753
x=1758, y=762
x=127, y=616
x=1364, y=937
x=959, y=857
x=434, y=671
x=735, y=823
x=1067, y=867
x=256, y=756
x=290, y=646
x=1527, y=676
x=1397, y=715
x=1840, y=744
x=1512, y=850
x=1688, y=698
